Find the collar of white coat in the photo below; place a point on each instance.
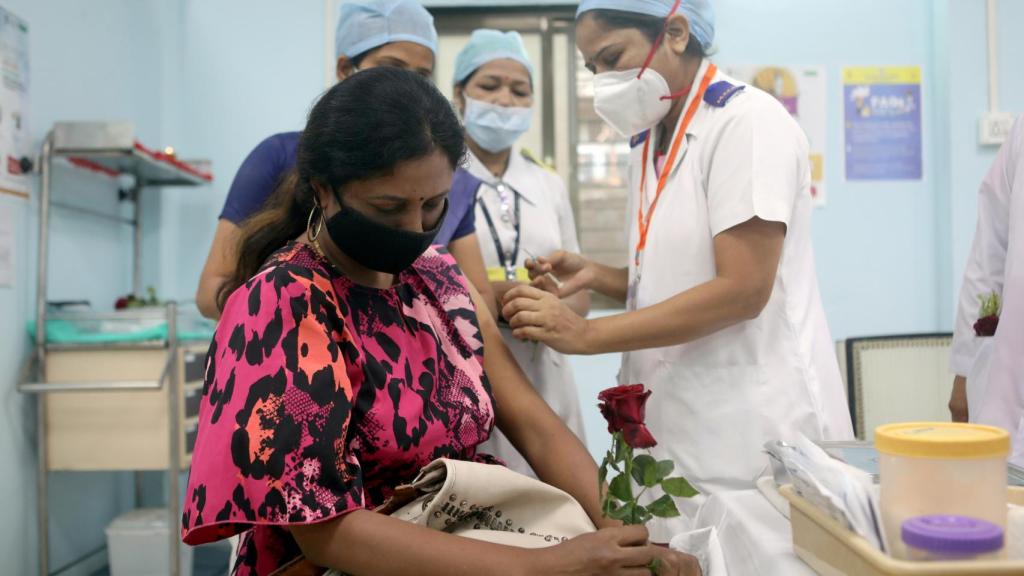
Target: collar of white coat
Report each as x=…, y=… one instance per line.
x=697, y=123
x=517, y=164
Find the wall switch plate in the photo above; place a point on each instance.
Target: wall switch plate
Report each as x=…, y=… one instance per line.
x=994, y=128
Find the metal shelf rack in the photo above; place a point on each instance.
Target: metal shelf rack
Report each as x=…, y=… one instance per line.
x=109, y=148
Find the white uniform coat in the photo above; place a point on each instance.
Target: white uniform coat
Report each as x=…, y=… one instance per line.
x=994, y=366
x=547, y=225
x=717, y=400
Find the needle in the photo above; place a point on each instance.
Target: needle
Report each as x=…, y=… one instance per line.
x=549, y=275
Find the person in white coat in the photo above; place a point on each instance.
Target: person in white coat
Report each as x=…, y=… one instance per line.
x=724, y=320
x=989, y=386
x=522, y=207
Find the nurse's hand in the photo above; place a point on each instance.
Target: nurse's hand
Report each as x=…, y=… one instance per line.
x=541, y=316
x=958, y=400
x=572, y=271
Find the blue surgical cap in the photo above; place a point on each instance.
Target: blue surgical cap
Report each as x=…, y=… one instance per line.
x=487, y=45
x=698, y=12
x=367, y=24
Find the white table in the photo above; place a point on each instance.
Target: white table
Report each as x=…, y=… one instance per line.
x=756, y=538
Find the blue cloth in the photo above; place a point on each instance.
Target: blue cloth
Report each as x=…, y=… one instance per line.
x=367, y=24
x=486, y=45
x=267, y=164
x=698, y=12
x=719, y=93
x=259, y=175
x=461, y=219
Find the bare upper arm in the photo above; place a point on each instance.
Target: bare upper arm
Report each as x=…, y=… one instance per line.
x=521, y=412
x=220, y=265
x=467, y=254
x=749, y=254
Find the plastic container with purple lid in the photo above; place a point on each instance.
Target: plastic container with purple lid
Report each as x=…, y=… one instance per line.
x=945, y=537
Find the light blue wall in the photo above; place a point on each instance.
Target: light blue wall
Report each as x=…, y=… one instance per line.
x=251, y=68
x=103, y=59
x=873, y=241
x=968, y=93
x=213, y=78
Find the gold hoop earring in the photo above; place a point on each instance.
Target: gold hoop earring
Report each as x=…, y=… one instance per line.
x=314, y=234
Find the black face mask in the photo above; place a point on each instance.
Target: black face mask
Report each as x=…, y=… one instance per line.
x=377, y=246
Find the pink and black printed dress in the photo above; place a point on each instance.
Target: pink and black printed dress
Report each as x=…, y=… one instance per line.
x=322, y=395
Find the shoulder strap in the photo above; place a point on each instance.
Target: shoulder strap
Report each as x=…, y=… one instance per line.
x=532, y=158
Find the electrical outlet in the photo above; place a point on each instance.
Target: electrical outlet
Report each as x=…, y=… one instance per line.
x=994, y=128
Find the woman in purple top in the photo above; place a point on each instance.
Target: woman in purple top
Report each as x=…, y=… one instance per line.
x=352, y=356
x=371, y=33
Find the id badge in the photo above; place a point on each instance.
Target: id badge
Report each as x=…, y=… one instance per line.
x=499, y=274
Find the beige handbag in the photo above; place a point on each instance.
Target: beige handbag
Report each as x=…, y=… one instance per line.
x=484, y=502
x=492, y=503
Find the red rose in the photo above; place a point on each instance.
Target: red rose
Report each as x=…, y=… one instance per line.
x=623, y=408
x=986, y=326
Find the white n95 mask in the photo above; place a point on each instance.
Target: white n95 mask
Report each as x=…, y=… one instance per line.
x=631, y=101
x=495, y=128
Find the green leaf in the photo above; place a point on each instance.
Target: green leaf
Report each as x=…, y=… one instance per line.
x=622, y=450
x=642, y=515
x=607, y=505
x=664, y=507
x=609, y=461
x=624, y=512
x=602, y=473
x=990, y=305
x=665, y=467
x=621, y=488
x=678, y=487
x=645, y=470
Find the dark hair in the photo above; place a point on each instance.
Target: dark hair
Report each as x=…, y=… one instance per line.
x=361, y=128
x=650, y=26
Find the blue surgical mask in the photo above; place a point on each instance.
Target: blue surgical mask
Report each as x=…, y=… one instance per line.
x=495, y=128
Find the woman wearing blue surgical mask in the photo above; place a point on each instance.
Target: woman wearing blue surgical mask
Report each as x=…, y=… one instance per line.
x=522, y=207
x=724, y=320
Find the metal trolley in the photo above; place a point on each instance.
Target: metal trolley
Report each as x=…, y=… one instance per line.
x=75, y=382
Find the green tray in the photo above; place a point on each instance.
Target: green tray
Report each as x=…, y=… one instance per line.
x=68, y=332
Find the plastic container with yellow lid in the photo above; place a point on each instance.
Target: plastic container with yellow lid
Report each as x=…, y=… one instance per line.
x=940, y=468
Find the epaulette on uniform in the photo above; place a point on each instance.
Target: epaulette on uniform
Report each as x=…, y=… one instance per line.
x=639, y=138
x=719, y=93
x=530, y=157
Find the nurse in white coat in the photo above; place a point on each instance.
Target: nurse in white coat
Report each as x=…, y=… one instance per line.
x=724, y=319
x=522, y=208
x=989, y=388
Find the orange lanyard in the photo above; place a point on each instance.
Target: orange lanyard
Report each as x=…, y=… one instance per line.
x=644, y=223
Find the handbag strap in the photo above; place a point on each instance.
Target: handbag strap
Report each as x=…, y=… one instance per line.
x=402, y=496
